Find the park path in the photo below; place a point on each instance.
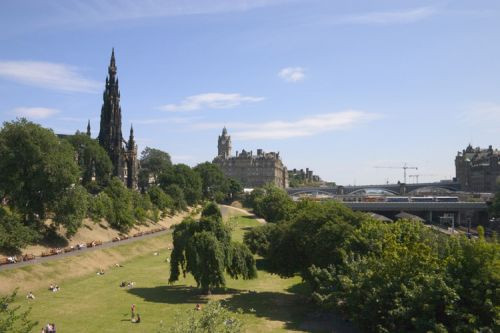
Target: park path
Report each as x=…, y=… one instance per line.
x=225, y=210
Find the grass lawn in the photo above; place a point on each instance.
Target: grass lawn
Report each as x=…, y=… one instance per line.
x=95, y=303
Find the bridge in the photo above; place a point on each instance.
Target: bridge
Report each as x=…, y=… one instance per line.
x=388, y=189
x=475, y=212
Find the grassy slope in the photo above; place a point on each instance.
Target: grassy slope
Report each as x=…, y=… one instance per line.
x=97, y=304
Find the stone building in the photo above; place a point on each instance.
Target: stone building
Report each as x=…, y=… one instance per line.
x=251, y=170
x=123, y=154
x=306, y=176
x=478, y=170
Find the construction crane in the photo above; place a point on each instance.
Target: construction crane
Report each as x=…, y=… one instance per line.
x=404, y=167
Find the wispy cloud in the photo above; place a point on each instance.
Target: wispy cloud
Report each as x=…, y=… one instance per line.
x=309, y=126
x=210, y=101
x=390, y=17
x=168, y=120
x=292, y=74
x=34, y=112
x=113, y=10
x=48, y=75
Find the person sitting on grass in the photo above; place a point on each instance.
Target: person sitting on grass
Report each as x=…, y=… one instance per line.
x=198, y=307
x=100, y=272
x=137, y=320
x=30, y=295
x=123, y=284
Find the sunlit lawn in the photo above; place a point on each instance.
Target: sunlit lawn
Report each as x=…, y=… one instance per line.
x=97, y=303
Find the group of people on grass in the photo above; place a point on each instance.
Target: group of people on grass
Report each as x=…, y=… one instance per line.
x=54, y=287
x=49, y=328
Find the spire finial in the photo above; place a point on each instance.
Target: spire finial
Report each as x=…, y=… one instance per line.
x=88, y=128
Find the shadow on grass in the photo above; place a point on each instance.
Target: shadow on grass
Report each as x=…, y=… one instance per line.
x=292, y=308
x=177, y=294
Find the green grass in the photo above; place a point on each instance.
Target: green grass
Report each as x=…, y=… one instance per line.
x=97, y=304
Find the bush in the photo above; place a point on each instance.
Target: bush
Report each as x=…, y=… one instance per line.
x=160, y=199
x=100, y=207
x=71, y=209
x=121, y=215
x=13, y=234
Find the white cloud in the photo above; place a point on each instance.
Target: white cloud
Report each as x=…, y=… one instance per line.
x=394, y=17
x=292, y=74
x=111, y=10
x=35, y=112
x=309, y=126
x=210, y=101
x=47, y=75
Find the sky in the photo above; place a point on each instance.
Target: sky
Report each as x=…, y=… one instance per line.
x=339, y=87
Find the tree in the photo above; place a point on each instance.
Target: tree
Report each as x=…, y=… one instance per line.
x=13, y=234
x=212, y=318
x=93, y=160
x=142, y=204
x=160, y=199
x=12, y=320
x=186, y=178
x=275, y=205
x=204, y=249
x=213, y=180
x=177, y=194
x=100, y=206
x=71, y=209
x=36, y=168
x=153, y=162
x=121, y=215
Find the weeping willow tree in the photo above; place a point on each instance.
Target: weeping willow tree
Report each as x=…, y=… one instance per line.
x=204, y=249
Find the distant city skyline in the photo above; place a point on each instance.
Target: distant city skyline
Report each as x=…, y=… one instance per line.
x=334, y=86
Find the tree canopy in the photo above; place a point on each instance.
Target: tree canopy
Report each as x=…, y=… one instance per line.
x=387, y=277
x=36, y=168
x=92, y=160
x=186, y=178
x=153, y=162
x=204, y=249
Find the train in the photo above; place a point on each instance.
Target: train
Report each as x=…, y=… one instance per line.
x=421, y=199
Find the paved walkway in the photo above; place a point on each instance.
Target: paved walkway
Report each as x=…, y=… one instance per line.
x=104, y=245
x=224, y=210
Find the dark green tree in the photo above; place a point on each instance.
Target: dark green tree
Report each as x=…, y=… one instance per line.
x=121, y=215
x=71, y=209
x=36, y=168
x=160, y=199
x=204, y=249
x=153, y=162
x=275, y=205
x=186, y=178
x=212, y=180
x=175, y=192
x=100, y=206
x=92, y=160
x=14, y=235
x=12, y=320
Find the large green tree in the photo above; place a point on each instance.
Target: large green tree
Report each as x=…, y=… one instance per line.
x=71, y=209
x=213, y=180
x=92, y=160
x=36, y=168
x=274, y=205
x=204, y=249
x=186, y=178
x=153, y=162
x=14, y=235
x=121, y=215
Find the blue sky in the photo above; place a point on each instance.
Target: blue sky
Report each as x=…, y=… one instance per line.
x=336, y=86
